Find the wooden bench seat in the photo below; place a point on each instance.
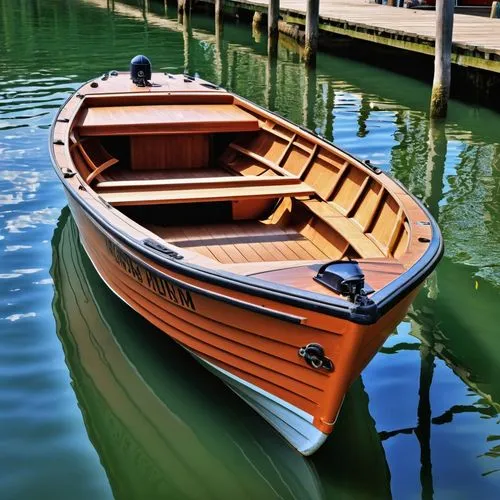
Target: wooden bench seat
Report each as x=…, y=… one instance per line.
x=166, y=119
x=348, y=229
x=128, y=175
x=194, y=192
x=196, y=183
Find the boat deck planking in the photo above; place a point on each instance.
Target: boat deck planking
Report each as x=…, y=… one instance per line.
x=248, y=241
x=378, y=273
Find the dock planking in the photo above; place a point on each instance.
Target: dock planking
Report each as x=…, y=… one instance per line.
x=476, y=40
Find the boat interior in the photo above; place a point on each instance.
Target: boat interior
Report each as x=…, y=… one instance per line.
x=236, y=185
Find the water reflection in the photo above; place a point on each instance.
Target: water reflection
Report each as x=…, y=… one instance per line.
x=452, y=334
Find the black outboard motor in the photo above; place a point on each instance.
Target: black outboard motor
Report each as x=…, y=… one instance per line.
x=343, y=277
x=140, y=71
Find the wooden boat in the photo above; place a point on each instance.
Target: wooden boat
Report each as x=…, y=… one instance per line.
x=278, y=260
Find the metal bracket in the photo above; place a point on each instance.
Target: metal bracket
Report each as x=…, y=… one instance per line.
x=163, y=249
x=314, y=355
x=68, y=173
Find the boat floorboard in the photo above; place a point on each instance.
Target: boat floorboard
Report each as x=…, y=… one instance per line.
x=246, y=241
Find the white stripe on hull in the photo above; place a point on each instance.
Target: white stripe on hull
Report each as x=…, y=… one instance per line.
x=294, y=424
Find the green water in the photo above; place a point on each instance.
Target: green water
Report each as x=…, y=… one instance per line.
x=95, y=403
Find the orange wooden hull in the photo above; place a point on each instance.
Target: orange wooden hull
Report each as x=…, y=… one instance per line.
x=256, y=355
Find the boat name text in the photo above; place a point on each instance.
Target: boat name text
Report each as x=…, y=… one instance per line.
x=158, y=285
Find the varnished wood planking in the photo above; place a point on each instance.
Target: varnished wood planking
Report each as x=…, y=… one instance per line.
x=378, y=273
x=158, y=152
x=163, y=119
x=243, y=242
x=289, y=138
x=189, y=181
x=349, y=231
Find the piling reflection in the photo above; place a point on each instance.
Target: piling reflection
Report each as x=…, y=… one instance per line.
x=271, y=82
x=449, y=332
x=309, y=104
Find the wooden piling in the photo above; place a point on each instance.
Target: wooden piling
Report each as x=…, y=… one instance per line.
x=442, y=58
x=256, y=26
x=256, y=21
x=311, y=40
x=219, y=13
x=183, y=6
x=272, y=27
x=495, y=10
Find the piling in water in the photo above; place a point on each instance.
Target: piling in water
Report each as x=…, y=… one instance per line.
x=272, y=27
x=219, y=13
x=311, y=40
x=495, y=10
x=257, y=21
x=183, y=6
x=442, y=59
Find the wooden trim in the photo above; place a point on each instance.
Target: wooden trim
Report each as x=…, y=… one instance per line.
x=285, y=151
x=312, y=155
x=395, y=231
x=342, y=170
x=204, y=182
x=357, y=197
x=164, y=196
x=96, y=169
x=287, y=138
x=261, y=159
x=100, y=169
x=375, y=211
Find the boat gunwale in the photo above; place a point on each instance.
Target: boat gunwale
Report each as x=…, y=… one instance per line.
x=384, y=299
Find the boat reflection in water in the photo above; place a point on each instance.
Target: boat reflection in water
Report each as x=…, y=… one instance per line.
x=165, y=428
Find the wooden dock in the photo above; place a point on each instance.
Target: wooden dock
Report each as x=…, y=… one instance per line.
x=476, y=40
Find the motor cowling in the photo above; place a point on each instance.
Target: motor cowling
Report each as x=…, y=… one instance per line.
x=140, y=71
x=343, y=277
